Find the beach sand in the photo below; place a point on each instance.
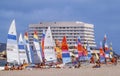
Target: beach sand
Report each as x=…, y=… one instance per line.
x=105, y=70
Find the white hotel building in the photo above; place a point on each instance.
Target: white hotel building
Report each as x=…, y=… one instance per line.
x=71, y=29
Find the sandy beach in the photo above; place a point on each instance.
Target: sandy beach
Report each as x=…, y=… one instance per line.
x=105, y=70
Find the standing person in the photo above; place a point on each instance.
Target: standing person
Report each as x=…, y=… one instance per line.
x=97, y=64
x=92, y=60
x=115, y=63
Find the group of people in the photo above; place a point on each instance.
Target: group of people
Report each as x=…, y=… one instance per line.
x=76, y=64
x=112, y=60
x=13, y=67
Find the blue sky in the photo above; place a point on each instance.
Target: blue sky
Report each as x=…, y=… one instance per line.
x=104, y=14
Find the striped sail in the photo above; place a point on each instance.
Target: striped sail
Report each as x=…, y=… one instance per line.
x=111, y=50
x=49, y=44
x=105, y=46
x=29, y=50
x=12, y=45
x=65, y=53
x=76, y=51
x=102, y=54
x=89, y=51
x=80, y=50
x=22, y=51
x=37, y=53
x=42, y=43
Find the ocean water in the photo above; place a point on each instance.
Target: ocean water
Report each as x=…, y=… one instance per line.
x=2, y=62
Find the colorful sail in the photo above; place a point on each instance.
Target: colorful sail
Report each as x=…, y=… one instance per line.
x=49, y=45
x=111, y=51
x=89, y=51
x=76, y=51
x=42, y=43
x=82, y=53
x=80, y=48
x=106, y=49
x=58, y=51
x=102, y=54
x=65, y=52
x=29, y=50
x=105, y=46
x=22, y=51
x=37, y=53
x=12, y=45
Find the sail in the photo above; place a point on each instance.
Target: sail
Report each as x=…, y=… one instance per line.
x=42, y=43
x=111, y=50
x=65, y=53
x=89, y=51
x=79, y=48
x=22, y=51
x=49, y=45
x=76, y=51
x=105, y=47
x=29, y=50
x=12, y=45
x=37, y=53
x=102, y=54
x=58, y=51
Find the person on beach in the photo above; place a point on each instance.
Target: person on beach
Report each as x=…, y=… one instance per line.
x=114, y=60
x=97, y=65
x=20, y=67
x=6, y=67
x=13, y=68
x=92, y=59
x=79, y=65
x=24, y=64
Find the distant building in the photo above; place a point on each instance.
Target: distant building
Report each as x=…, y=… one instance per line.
x=71, y=29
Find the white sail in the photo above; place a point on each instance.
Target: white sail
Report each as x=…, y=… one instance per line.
x=49, y=44
x=29, y=51
x=22, y=51
x=12, y=46
x=37, y=52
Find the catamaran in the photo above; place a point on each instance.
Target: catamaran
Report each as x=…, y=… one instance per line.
x=12, y=45
x=22, y=51
x=49, y=44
